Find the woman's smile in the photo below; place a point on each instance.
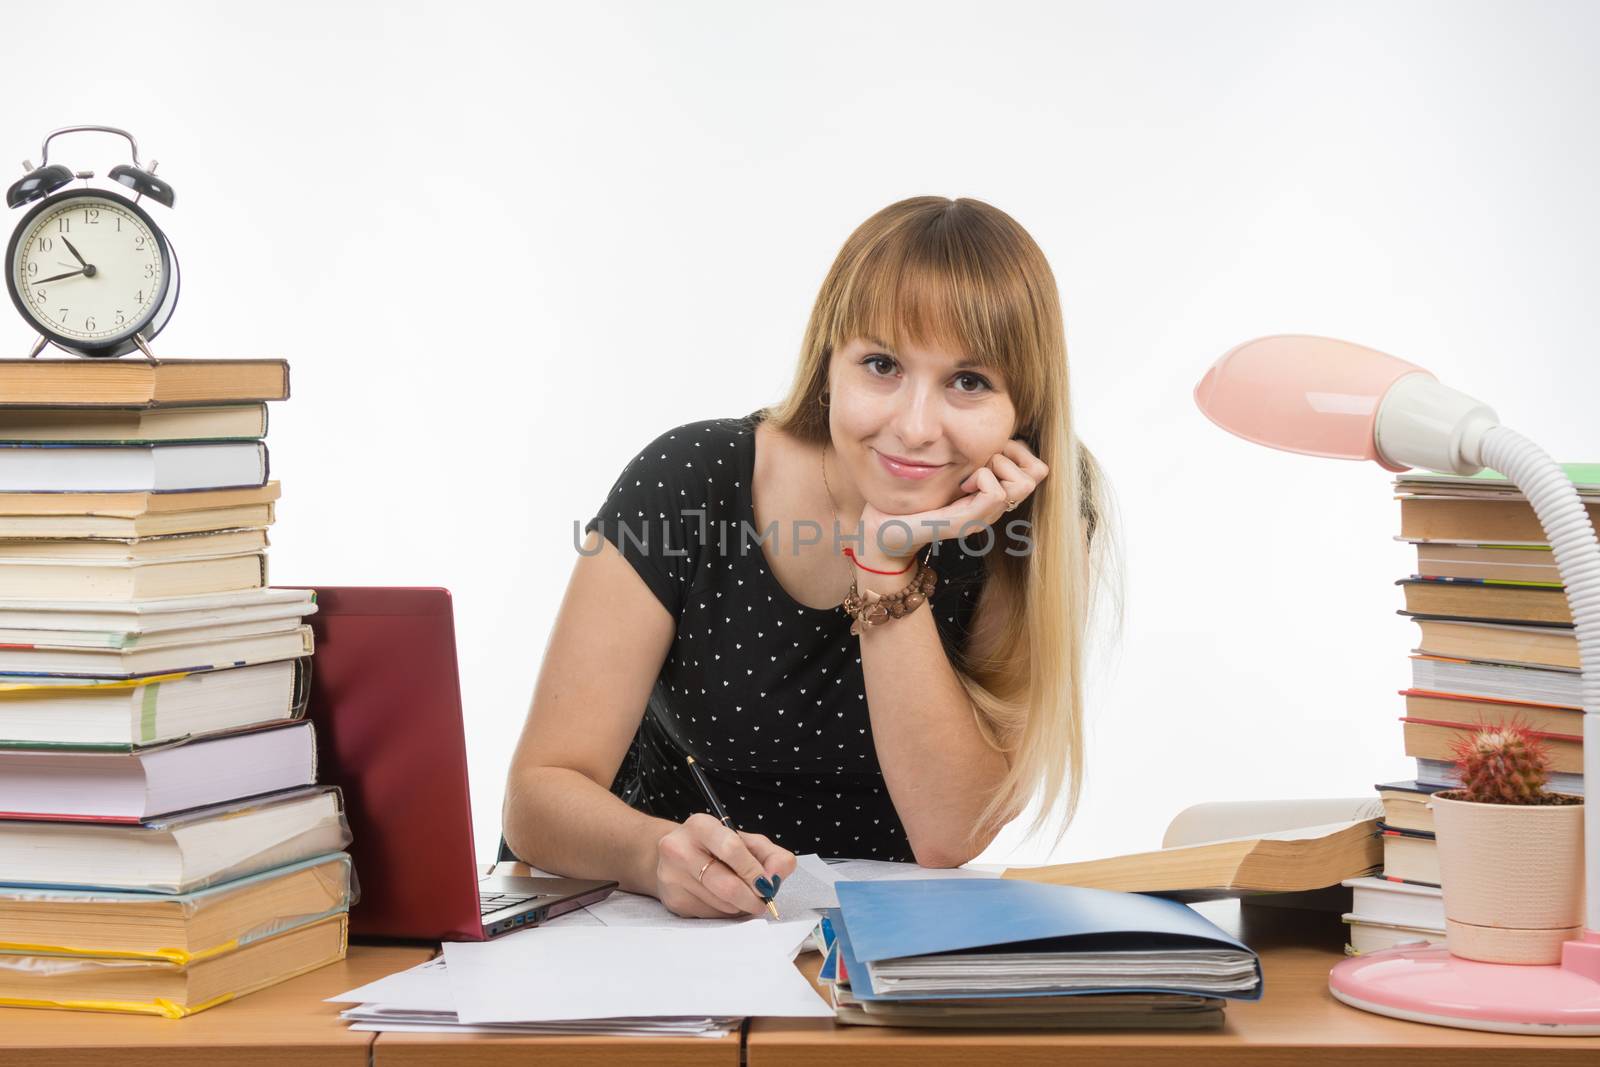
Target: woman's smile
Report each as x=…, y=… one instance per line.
x=909, y=471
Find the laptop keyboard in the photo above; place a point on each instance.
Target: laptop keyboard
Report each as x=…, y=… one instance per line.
x=489, y=902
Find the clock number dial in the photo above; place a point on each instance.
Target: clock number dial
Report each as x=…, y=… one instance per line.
x=102, y=257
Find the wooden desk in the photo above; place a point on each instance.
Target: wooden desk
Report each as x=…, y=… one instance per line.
x=1296, y=1024
x=491, y=1050
x=281, y=1025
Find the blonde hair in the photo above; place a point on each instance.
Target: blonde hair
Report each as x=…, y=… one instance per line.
x=965, y=274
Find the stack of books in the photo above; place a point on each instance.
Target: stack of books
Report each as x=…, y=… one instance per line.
x=163, y=844
x=963, y=952
x=1496, y=644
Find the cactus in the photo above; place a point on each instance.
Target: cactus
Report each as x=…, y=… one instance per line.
x=1502, y=764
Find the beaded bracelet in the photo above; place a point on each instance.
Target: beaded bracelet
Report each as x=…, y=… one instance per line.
x=873, y=608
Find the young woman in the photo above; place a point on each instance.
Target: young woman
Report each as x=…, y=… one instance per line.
x=756, y=593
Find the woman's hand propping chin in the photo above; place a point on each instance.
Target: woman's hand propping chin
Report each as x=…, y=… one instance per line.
x=705, y=870
x=1013, y=473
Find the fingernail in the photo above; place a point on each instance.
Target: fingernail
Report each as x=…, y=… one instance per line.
x=777, y=880
x=765, y=888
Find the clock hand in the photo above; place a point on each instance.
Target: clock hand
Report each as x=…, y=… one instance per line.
x=56, y=277
x=81, y=261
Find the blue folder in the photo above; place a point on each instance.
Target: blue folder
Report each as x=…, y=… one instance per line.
x=891, y=919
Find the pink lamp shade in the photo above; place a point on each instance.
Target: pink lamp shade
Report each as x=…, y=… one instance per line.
x=1314, y=395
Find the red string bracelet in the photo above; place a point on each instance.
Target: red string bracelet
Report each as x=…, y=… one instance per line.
x=851, y=553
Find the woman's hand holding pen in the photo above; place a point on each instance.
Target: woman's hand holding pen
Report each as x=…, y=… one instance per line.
x=705, y=870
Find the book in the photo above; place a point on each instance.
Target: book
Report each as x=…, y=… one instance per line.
x=177, y=853
x=1531, y=646
x=133, y=425
x=165, y=467
x=206, y=649
x=64, y=383
x=109, y=581
x=1496, y=520
x=1511, y=563
x=957, y=938
x=123, y=715
x=1238, y=849
x=1435, y=740
x=116, y=527
x=127, y=515
x=126, y=621
x=1476, y=711
x=1405, y=805
x=179, y=927
x=1367, y=936
x=1158, y=1011
x=1585, y=477
x=1441, y=774
x=173, y=990
x=1559, y=686
x=133, y=505
x=203, y=545
x=1491, y=602
x=1104, y=1011
x=267, y=619
x=1410, y=856
x=133, y=786
x=1382, y=900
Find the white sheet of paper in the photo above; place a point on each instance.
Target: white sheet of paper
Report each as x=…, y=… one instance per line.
x=636, y=909
x=586, y=972
x=808, y=890
x=598, y=1030
x=802, y=895
x=424, y=987
x=848, y=870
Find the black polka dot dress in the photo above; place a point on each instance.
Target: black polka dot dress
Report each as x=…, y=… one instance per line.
x=766, y=694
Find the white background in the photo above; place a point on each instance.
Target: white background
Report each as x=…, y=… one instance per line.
x=503, y=245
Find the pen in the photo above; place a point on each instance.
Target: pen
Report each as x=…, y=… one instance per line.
x=722, y=815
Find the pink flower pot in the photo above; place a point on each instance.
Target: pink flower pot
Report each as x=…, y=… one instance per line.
x=1512, y=877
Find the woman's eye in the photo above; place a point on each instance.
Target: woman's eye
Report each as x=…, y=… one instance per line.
x=978, y=382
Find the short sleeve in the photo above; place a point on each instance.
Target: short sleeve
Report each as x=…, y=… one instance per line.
x=647, y=516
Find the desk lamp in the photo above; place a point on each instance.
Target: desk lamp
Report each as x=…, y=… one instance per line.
x=1324, y=397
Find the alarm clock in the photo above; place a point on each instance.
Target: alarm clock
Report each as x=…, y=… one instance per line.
x=88, y=268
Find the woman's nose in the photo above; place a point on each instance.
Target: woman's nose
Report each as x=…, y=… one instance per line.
x=916, y=423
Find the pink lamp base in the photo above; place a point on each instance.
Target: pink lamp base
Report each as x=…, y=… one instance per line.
x=1428, y=985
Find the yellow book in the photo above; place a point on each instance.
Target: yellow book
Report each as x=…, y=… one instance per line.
x=161, y=987
x=178, y=928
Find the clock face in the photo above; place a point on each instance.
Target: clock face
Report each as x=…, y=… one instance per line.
x=89, y=268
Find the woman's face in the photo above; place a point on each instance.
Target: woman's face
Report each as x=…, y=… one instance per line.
x=918, y=404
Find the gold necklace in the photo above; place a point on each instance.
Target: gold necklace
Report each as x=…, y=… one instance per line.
x=851, y=567
x=835, y=506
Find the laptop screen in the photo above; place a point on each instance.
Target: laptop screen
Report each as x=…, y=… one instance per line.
x=386, y=701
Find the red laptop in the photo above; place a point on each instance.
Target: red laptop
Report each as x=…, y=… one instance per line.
x=386, y=700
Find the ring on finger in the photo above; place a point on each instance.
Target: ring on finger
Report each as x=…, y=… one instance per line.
x=1011, y=505
x=701, y=877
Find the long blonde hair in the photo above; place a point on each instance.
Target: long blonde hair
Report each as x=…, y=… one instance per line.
x=965, y=274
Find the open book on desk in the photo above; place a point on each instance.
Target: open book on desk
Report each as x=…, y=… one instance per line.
x=1242, y=849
